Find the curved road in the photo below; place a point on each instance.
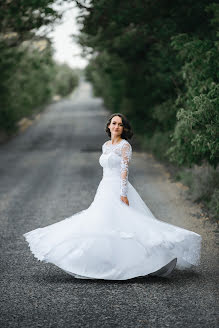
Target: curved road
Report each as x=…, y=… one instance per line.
x=51, y=171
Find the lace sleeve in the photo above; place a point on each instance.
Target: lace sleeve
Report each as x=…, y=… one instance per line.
x=125, y=158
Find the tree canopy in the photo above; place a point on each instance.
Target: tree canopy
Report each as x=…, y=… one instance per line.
x=29, y=76
x=158, y=63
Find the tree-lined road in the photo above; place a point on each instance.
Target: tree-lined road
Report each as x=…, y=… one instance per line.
x=50, y=172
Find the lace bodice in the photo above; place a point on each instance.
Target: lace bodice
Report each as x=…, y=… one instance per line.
x=115, y=160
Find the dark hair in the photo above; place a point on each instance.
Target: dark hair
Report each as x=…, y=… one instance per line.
x=127, y=130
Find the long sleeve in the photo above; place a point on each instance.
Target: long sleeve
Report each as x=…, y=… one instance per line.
x=126, y=153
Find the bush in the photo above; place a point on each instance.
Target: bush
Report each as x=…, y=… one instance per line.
x=203, y=183
x=25, y=84
x=30, y=79
x=195, y=134
x=65, y=80
x=27, y=69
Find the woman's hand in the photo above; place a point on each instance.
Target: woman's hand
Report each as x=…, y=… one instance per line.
x=124, y=199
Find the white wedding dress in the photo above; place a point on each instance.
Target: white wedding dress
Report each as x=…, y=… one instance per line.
x=110, y=239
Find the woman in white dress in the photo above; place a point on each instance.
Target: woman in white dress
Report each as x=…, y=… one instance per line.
x=117, y=237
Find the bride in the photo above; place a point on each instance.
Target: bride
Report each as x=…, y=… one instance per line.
x=117, y=237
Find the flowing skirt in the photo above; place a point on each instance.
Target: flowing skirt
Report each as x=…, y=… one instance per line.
x=113, y=241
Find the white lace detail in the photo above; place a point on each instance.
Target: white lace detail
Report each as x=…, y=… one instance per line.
x=126, y=153
x=123, y=150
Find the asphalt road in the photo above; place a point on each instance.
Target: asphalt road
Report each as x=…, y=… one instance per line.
x=51, y=171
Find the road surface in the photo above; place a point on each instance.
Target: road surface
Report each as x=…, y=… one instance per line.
x=51, y=171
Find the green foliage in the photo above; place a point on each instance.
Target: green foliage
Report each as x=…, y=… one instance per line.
x=195, y=136
x=27, y=83
x=65, y=80
x=203, y=183
x=29, y=76
x=21, y=17
x=110, y=70
x=157, y=144
x=158, y=64
x=30, y=79
x=196, y=133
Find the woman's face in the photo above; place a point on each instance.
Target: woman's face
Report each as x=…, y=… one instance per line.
x=116, y=126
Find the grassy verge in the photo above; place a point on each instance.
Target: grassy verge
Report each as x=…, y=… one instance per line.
x=202, y=181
